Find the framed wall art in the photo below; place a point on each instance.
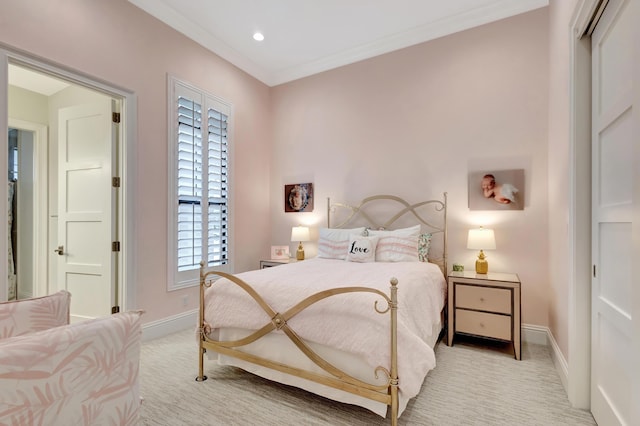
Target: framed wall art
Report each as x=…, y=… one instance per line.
x=496, y=190
x=298, y=197
x=279, y=252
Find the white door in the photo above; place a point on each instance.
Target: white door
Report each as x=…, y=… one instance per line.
x=86, y=224
x=613, y=361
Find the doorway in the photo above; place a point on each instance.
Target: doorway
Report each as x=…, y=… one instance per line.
x=98, y=286
x=26, y=254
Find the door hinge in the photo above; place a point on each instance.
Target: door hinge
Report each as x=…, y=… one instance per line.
x=594, y=271
x=115, y=117
x=115, y=182
x=115, y=246
x=115, y=309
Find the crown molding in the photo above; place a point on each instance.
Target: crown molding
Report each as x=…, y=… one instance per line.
x=494, y=11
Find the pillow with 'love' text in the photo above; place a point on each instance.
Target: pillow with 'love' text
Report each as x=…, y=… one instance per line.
x=362, y=249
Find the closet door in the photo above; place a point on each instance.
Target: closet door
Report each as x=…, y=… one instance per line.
x=615, y=186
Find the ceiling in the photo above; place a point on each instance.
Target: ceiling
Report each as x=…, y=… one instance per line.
x=305, y=37
x=35, y=81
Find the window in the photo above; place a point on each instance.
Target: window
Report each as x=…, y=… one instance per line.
x=199, y=181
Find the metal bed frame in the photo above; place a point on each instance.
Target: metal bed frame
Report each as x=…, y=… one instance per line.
x=336, y=378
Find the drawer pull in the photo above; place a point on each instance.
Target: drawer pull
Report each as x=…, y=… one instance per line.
x=481, y=325
x=482, y=299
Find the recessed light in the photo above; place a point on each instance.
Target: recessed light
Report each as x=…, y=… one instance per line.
x=258, y=37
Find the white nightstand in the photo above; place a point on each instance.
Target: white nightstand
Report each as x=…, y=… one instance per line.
x=274, y=262
x=485, y=305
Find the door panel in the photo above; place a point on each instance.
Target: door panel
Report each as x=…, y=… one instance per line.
x=85, y=217
x=615, y=144
x=613, y=185
x=615, y=266
x=90, y=289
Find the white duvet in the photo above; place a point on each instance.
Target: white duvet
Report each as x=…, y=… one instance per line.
x=345, y=322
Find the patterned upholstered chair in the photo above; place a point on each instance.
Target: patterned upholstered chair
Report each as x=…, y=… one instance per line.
x=85, y=373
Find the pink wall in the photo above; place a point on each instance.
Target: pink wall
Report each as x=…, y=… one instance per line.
x=114, y=41
x=413, y=123
x=560, y=13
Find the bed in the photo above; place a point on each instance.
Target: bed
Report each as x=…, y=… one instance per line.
x=357, y=324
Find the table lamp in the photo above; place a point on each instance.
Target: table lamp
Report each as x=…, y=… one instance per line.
x=300, y=234
x=481, y=239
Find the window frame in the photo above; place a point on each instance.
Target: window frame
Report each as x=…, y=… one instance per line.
x=189, y=278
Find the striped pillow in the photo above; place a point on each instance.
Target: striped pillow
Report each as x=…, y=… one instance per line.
x=334, y=243
x=400, y=245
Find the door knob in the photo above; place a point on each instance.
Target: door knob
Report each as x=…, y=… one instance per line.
x=60, y=250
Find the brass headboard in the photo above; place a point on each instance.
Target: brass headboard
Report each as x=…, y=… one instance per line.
x=396, y=212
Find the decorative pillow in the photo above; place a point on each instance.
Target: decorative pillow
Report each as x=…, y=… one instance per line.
x=362, y=249
x=424, y=243
x=334, y=243
x=400, y=245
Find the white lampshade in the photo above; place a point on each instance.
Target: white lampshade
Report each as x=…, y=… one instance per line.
x=300, y=233
x=481, y=239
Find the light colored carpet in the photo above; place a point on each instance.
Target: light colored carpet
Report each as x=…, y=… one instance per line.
x=471, y=385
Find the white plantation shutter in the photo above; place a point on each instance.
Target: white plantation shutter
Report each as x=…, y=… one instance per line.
x=189, y=183
x=201, y=182
x=217, y=189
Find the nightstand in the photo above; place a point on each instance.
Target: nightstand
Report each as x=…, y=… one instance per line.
x=485, y=305
x=274, y=262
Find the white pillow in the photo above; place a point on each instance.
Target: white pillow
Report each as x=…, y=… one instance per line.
x=362, y=249
x=334, y=243
x=403, y=232
x=400, y=245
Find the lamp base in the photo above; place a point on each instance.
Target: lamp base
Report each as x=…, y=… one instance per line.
x=300, y=252
x=482, y=266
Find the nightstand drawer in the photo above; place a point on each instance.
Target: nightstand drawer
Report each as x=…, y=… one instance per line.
x=483, y=324
x=483, y=298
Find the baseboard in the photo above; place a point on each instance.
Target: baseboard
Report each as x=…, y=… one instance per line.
x=542, y=336
x=562, y=367
x=173, y=324
x=535, y=334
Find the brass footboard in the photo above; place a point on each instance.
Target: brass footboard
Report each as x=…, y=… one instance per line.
x=338, y=379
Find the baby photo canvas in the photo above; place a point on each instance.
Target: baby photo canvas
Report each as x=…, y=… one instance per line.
x=496, y=190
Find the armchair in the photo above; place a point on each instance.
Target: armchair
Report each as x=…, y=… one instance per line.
x=83, y=374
